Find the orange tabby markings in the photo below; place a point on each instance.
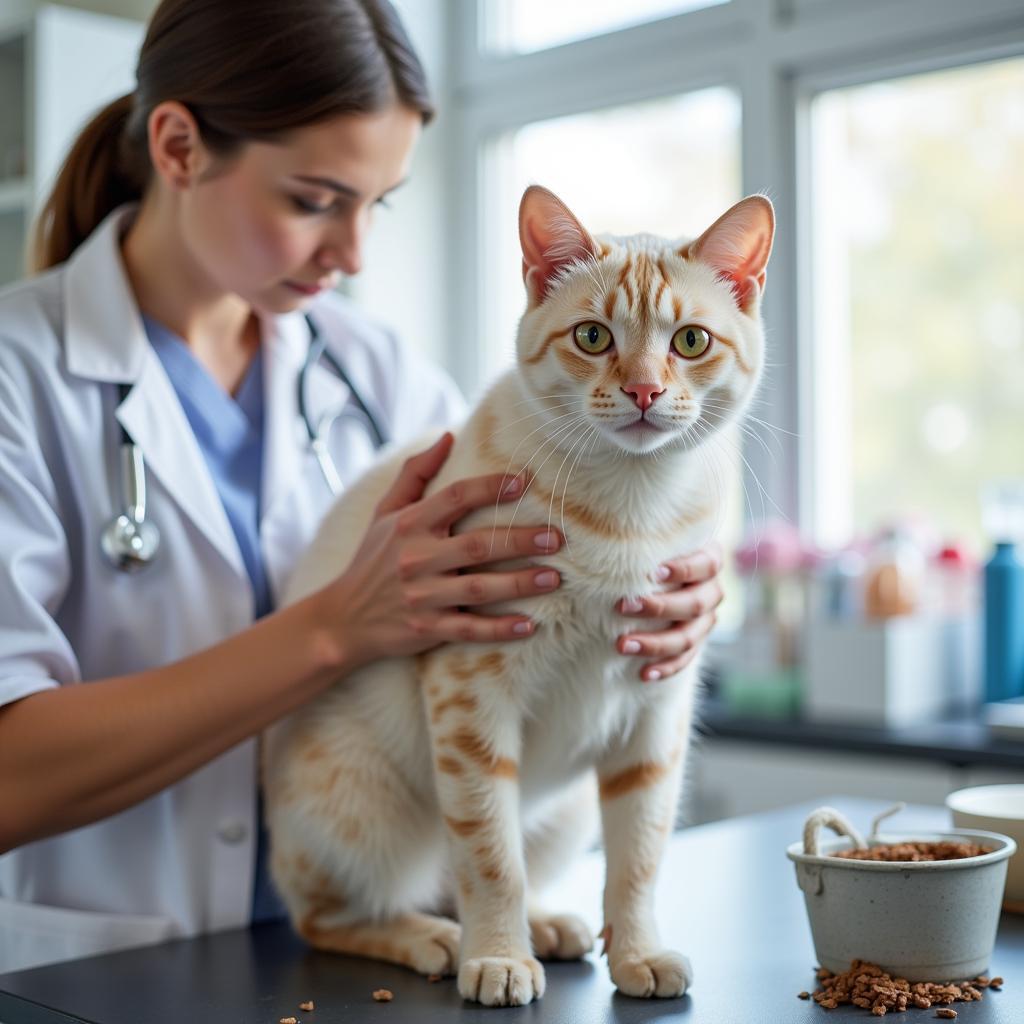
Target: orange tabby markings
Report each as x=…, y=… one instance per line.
x=704, y=371
x=546, y=344
x=494, y=662
x=578, y=367
x=470, y=744
x=623, y=281
x=464, y=828
x=640, y=776
x=736, y=351
x=609, y=305
x=449, y=765
x=462, y=701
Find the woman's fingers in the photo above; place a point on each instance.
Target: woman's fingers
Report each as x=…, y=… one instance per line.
x=438, y=512
x=477, y=547
x=479, y=588
x=417, y=471
x=462, y=627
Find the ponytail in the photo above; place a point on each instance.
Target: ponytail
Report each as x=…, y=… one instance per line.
x=95, y=178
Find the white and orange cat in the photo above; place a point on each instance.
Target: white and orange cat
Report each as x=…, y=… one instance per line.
x=474, y=772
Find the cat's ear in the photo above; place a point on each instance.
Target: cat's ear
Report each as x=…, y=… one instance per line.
x=551, y=237
x=738, y=245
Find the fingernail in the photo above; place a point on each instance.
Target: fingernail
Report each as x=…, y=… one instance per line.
x=663, y=572
x=522, y=627
x=548, y=578
x=630, y=647
x=512, y=486
x=546, y=541
x=631, y=604
x=651, y=676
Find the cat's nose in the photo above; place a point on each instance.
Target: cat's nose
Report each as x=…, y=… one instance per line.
x=643, y=394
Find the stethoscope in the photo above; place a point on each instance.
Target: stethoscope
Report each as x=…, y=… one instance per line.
x=130, y=541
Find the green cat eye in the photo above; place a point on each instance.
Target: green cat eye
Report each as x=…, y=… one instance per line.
x=691, y=342
x=592, y=338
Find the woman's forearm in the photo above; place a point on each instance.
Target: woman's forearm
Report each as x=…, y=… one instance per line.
x=76, y=754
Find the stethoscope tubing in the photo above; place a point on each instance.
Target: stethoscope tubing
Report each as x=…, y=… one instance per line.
x=130, y=541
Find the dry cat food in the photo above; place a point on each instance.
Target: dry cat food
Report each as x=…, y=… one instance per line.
x=308, y=1005
x=866, y=985
x=945, y=850
x=383, y=995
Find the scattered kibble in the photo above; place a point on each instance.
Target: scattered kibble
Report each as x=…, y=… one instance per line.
x=433, y=977
x=866, y=985
x=945, y=850
x=803, y=995
x=383, y=995
x=308, y=1005
x=288, y=1020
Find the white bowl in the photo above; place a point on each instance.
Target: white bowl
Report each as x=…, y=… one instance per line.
x=920, y=920
x=996, y=809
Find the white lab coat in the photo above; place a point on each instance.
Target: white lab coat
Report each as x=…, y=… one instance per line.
x=181, y=862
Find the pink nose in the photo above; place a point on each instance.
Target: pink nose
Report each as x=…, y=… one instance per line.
x=643, y=394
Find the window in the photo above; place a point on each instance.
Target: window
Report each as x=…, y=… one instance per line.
x=526, y=25
x=918, y=340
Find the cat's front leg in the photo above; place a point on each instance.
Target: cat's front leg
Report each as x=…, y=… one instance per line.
x=476, y=736
x=639, y=785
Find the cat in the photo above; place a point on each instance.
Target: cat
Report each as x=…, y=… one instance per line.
x=476, y=772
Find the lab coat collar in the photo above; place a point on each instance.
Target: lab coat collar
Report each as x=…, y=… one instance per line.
x=105, y=340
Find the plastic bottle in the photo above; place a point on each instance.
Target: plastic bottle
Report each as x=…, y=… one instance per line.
x=892, y=584
x=1004, y=594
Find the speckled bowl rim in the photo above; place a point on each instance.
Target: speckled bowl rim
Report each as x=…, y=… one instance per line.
x=1006, y=850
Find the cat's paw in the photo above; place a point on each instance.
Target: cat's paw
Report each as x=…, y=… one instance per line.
x=501, y=980
x=433, y=947
x=559, y=937
x=664, y=973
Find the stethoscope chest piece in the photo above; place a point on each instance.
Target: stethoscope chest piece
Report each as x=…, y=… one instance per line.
x=130, y=541
x=128, y=544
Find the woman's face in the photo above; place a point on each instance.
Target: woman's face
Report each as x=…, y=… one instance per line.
x=287, y=219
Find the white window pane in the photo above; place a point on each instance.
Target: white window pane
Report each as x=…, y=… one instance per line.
x=669, y=166
x=526, y=25
x=919, y=326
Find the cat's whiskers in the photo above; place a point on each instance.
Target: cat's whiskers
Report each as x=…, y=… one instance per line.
x=551, y=439
x=595, y=436
x=554, y=487
x=511, y=462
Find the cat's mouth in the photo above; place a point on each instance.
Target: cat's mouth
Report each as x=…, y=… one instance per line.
x=641, y=426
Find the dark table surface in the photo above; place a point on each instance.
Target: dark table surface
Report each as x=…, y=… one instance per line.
x=727, y=897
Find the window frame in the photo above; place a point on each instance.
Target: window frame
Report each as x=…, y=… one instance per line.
x=777, y=55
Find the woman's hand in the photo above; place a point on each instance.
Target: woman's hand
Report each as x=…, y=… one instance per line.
x=403, y=592
x=690, y=607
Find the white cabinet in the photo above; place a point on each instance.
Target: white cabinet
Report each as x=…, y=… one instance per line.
x=58, y=66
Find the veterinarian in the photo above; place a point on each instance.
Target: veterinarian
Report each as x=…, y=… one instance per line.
x=181, y=392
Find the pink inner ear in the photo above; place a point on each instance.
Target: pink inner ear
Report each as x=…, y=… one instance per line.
x=738, y=245
x=551, y=238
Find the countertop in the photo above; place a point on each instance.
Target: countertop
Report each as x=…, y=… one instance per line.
x=727, y=897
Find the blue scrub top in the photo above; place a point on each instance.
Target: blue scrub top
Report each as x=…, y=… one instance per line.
x=230, y=433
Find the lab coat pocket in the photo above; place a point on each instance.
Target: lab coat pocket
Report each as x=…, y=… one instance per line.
x=32, y=935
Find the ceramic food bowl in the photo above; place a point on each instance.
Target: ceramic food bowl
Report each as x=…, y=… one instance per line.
x=997, y=809
x=919, y=920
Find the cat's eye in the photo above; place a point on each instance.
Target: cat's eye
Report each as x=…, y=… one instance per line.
x=592, y=338
x=691, y=341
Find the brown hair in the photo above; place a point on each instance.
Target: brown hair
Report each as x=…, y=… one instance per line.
x=248, y=70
